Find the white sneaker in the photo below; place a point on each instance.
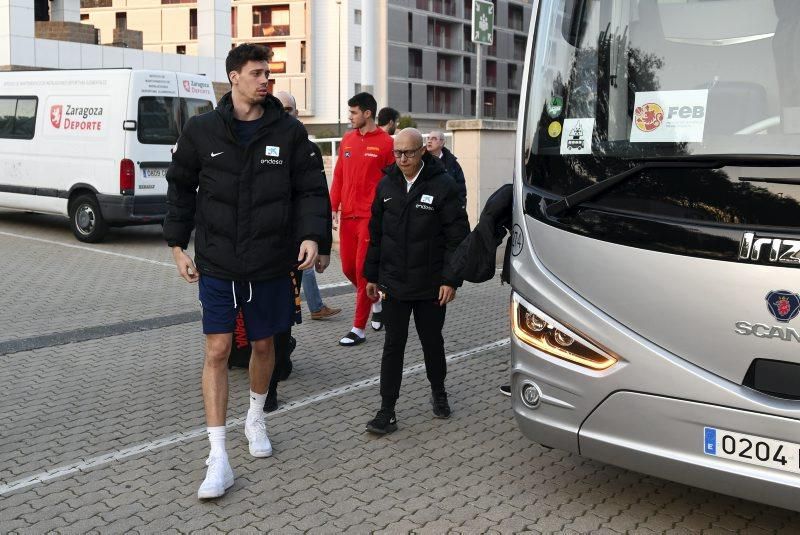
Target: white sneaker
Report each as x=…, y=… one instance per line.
x=219, y=478
x=255, y=429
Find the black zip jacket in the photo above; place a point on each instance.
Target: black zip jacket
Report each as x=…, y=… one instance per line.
x=453, y=169
x=412, y=235
x=251, y=205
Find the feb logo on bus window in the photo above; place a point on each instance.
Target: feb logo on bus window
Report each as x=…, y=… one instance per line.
x=783, y=305
x=648, y=116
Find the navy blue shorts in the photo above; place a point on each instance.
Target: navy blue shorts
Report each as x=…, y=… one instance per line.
x=267, y=306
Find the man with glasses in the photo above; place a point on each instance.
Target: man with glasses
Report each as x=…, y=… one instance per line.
x=363, y=153
x=417, y=222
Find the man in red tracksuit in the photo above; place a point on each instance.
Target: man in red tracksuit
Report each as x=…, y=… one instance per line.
x=363, y=154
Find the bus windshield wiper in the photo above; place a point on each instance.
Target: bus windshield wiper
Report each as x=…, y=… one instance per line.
x=702, y=161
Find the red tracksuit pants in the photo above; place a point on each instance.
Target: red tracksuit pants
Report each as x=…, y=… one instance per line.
x=353, y=244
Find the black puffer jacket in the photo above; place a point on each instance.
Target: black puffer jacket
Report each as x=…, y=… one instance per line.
x=453, y=169
x=251, y=205
x=412, y=235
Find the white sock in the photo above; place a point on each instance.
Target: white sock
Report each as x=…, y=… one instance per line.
x=377, y=306
x=359, y=332
x=216, y=436
x=256, y=404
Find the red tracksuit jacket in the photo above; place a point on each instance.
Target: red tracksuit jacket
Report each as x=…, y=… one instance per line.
x=359, y=168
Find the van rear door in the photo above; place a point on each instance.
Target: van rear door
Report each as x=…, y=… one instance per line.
x=160, y=103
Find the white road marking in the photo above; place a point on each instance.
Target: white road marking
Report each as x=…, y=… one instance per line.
x=130, y=257
x=186, y=436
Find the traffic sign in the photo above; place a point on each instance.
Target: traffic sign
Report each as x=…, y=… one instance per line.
x=482, y=22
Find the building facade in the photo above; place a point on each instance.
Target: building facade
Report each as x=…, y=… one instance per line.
x=414, y=55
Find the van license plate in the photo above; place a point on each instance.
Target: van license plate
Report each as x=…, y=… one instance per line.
x=160, y=172
x=752, y=449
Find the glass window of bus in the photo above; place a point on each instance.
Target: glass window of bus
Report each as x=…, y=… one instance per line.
x=193, y=106
x=727, y=71
x=159, y=122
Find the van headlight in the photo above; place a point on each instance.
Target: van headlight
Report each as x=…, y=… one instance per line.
x=543, y=333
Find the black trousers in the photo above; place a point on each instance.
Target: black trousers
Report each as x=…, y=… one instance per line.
x=429, y=319
x=281, y=341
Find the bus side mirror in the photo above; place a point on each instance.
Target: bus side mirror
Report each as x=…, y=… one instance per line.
x=574, y=22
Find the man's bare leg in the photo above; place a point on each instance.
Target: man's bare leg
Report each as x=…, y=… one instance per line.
x=262, y=364
x=219, y=476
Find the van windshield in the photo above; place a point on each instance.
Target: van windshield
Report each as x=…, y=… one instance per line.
x=161, y=119
x=616, y=82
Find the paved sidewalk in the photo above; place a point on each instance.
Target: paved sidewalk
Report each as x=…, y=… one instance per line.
x=107, y=434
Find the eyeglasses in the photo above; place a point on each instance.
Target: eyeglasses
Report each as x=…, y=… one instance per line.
x=288, y=109
x=407, y=153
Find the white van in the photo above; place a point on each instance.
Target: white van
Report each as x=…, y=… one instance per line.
x=93, y=145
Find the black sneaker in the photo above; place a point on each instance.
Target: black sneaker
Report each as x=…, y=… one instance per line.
x=377, y=321
x=441, y=409
x=271, y=404
x=384, y=423
x=506, y=390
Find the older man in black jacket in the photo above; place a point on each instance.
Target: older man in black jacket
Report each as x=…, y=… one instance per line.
x=417, y=222
x=243, y=175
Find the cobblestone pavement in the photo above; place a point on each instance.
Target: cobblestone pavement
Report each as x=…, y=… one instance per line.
x=106, y=433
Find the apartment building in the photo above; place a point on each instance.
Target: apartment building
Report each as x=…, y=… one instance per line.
x=414, y=55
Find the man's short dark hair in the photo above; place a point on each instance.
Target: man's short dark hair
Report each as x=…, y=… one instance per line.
x=388, y=114
x=240, y=55
x=365, y=102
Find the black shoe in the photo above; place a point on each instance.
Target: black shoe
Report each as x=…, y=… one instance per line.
x=271, y=404
x=352, y=339
x=441, y=409
x=377, y=321
x=506, y=390
x=286, y=370
x=384, y=423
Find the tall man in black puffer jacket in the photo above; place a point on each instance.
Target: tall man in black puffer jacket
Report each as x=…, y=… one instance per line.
x=243, y=175
x=418, y=220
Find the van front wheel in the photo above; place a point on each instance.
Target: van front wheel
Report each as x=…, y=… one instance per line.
x=86, y=220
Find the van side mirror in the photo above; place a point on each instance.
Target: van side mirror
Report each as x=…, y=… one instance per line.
x=129, y=125
x=573, y=26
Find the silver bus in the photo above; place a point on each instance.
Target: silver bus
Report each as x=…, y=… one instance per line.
x=655, y=257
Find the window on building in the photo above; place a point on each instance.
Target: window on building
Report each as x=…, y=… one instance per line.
x=410, y=99
x=472, y=102
x=469, y=46
x=446, y=68
x=468, y=9
x=491, y=73
x=513, y=106
x=515, y=17
x=468, y=71
x=192, y=24
x=410, y=27
x=357, y=16
x=234, y=23
x=445, y=7
x=490, y=104
x=277, y=65
x=492, y=50
x=180, y=49
x=414, y=63
x=270, y=20
x=357, y=53
x=443, y=100
x=84, y=17
x=122, y=21
x=165, y=2
x=423, y=4
x=303, y=57
x=519, y=48
x=18, y=117
x=440, y=33
x=513, y=76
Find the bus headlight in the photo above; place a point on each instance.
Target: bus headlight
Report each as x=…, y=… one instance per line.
x=538, y=331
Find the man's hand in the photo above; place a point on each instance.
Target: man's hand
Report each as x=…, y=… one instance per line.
x=446, y=294
x=372, y=291
x=335, y=217
x=323, y=261
x=308, y=254
x=185, y=265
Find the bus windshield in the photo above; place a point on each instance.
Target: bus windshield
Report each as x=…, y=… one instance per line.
x=616, y=82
